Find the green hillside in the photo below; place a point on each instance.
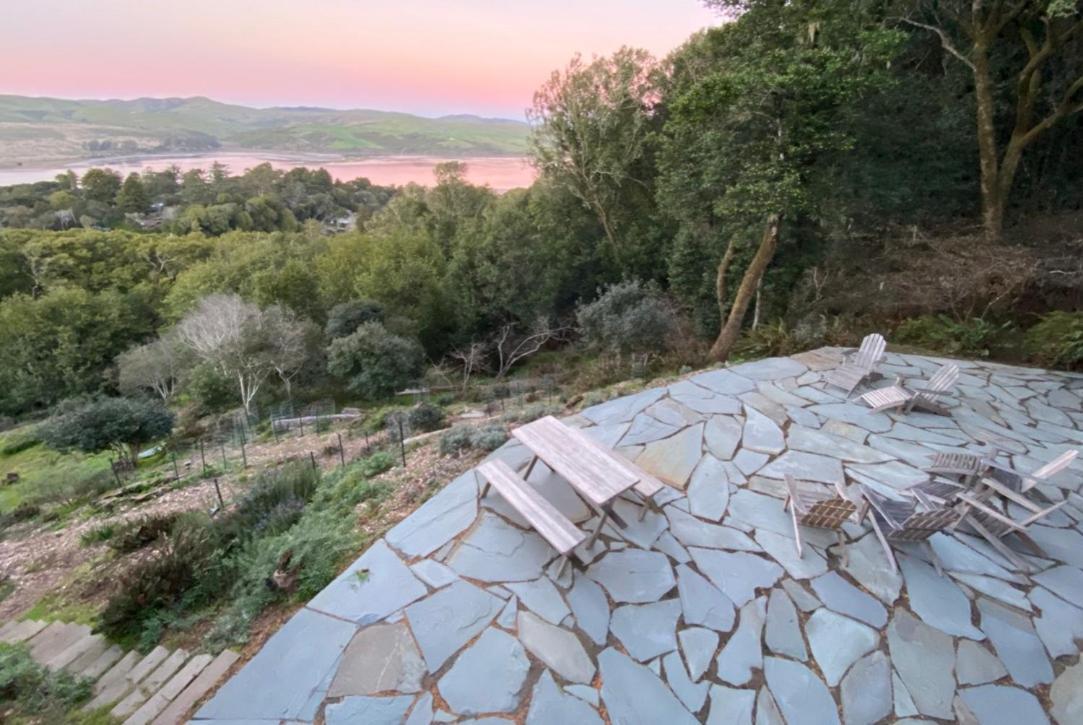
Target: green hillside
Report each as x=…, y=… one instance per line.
x=34, y=129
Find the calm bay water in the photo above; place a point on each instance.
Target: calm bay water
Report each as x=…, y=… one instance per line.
x=499, y=172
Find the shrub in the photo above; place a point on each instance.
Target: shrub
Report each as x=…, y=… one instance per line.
x=120, y=424
x=945, y=335
x=374, y=362
x=98, y=534
x=345, y=318
x=19, y=440
x=1057, y=340
x=139, y=533
x=425, y=417
x=628, y=317
x=375, y=464
x=35, y=692
x=209, y=389
x=462, y=438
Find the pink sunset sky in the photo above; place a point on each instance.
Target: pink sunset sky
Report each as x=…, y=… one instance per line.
x=429, y=57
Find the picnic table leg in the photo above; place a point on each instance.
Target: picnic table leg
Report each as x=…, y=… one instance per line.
x=598, y=529
x=563, y=566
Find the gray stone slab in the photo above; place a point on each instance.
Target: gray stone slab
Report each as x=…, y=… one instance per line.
x=800, y=438
x=667, y=544
x=698, y=645
x=1059, y=625
x=748, y=462
x=674, y=413
x=709, y=489
x=648, y=429
x=730, y=706
x=1016, y=644
x=721, y=436
x=782, y=633
x=673, y=459
x=761, y=433
x=422, y=713
x=287, y=671
x=550, y=705
x=976, y=665
x=586, y=693
x=843, y=597
x=853, y=414
x=805, y=602
x=911, y=453
x=487, y=676
x=633, y=576
x=1064, y=581
x=837, y=642
x=367, y=711
x=557, y=647
x=623, y=409
x=691, y=531
x=509, y=614
x=996, y=588
x=1066, y=695
x=693, y=695
x=1002, y=705
x=496, y=551
x=641, y=532
x=433, y=573
x=647, y=630
x=895, y=474
x=633, y=695
x=588, y=603
x=904, y=704
x=955, y=555
x=800, y=694
x=770, y=368
x=767, y=712
x=380, y=658
x=373, y=587
x=724, y=382
x=783, y=550
x=702, y=602
x=937, y=600
x=925, y=660
x=542, y=598
x=437, y=520
x=805, y=466
x=743, y=652
x=865, y=691
x=759, y=511
x=445, y=621
x=736, y=574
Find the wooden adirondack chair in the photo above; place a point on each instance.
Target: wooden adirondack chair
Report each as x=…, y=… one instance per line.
x=904, y=521
x=852, y=372
x=897, y=396
x=818, y=509
x=964, y=465
x=1039, y=475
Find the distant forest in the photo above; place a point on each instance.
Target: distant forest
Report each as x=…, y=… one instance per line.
x=800, y=175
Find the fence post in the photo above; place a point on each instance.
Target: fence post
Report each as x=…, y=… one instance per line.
x=225, y=464
x=217, y=490
x=312, y=458
x=176, y=471
x=341, y=451
x=274, y=429
x=202, y=457
x=244, y=457
x=301, y=426
x=402, y=442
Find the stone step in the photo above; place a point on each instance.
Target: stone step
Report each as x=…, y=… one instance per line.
x=117, y=671
x=149, y=685
x=116, y=690
x=54, y=639
x=97, y=648
x=16, y=632
x=107, y=659
x=200, y=686
x=159, y=700
x=86, y=643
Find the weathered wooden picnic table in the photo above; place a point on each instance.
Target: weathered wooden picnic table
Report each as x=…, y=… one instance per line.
x=597, y=473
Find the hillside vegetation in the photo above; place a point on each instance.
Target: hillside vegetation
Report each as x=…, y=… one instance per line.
x=38, y=129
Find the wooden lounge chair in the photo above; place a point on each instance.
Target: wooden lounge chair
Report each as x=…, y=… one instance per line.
x=905, y=521
x=898, y=396
x=1040, y=475
x=852, y=372
x=818, y=509
x=964, y=465
x=553, y=526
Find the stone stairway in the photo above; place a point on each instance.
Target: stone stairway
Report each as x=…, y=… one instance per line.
x=159, y=687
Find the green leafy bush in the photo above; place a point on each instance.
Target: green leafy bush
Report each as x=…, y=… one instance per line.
x=19, y=440
x=345, y=318
x=138, y=533
x=1057, y=340
x=374, y=362
x=463, y=438
x=98, y=534
x=628, y=317
x=34, y=692
x=375, y=464
x=973, y=337
x=120, y=424
x=425, y=417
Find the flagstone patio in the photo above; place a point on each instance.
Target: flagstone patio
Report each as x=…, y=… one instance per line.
x=705, y=613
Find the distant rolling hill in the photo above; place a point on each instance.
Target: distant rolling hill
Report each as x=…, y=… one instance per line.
x=37, y=130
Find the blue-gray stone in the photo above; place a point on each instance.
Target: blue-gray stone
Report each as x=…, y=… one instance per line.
x=722, y=435
x=925, y=660
x=1060, y=623
x=748, y=462
x=542, y=598
x=800, y=596
x=496, y=551
x=709, y=489
x=724, y=382
x=590, y=607
x=691, y=694
x=1003, y=705
x=647, y=630
x=956, y=556
x=641, y=532
x=673, y=413
x=633, y=575
x=730, y=706
x=487, y=676
x=937, y=600
x=668, y=545
x=586, y=693
x=368, y=711
x=556, y=647
x=996, y=588
x=904, y=704
x=433, y=573
x=784, y=550
x=975, y=665
x=422, y=713
x=867, y=563
x=845, y=598
x=443, y=622
x=698, y=645
x=1064, y=581
x=761, y=433
x=1016, y=643
x=736, y=574
x=287, y=671
x=1066, y=695
x=760, y=511
x=770, y=368
x=782, y=633
x=853, y=414
x=702, y=602
x=374, y=586
x=800, y=438
x=691, y=531
x=866, y=690
x=633, y=695
x=380, y=658
x=743, y=652
x=805, y=466
x=767, y=712
x=800, y=694
x=647, y=429
x=439, y=519
x=623, y=409
x=837, y=642
x=672, y=459
x=702, y=400
x=508, y=614
x=550, y=705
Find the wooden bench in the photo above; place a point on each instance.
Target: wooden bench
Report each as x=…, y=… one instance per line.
x=646, y=486
x=554, y=527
